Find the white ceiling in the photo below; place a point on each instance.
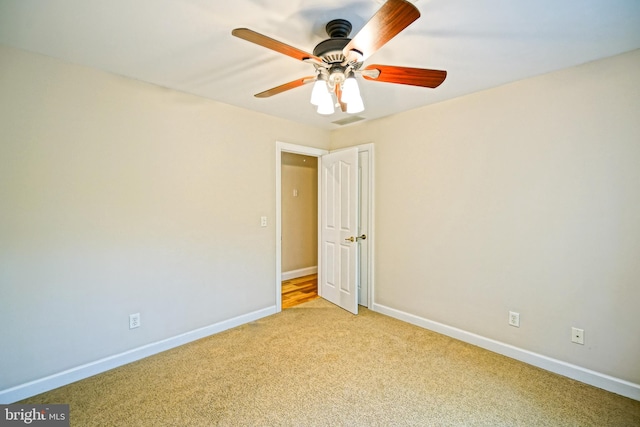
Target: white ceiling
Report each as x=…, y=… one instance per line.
x=187, y=44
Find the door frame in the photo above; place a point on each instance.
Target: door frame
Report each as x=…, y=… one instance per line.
x=319, y=152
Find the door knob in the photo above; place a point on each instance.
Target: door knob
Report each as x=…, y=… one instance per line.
x=355, y=239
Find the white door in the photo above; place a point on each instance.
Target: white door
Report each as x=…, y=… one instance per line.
x=338, y=275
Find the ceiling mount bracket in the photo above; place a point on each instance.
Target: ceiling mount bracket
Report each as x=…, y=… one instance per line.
x=338, y=28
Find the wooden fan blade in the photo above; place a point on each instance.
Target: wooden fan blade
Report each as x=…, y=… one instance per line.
x=393, y=17
x=269, y=43
x=405, y=75
x=287, y=86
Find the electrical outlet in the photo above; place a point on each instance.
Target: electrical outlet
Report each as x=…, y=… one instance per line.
x=514, y=319
x=134, y=321
x=263, y=221
x=577, y=336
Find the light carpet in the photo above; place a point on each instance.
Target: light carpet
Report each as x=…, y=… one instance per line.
x=318, y=365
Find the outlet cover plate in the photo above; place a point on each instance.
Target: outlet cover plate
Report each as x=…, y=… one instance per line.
x=134, y=321
x=514, y=319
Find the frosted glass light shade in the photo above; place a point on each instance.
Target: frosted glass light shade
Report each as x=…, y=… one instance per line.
x=351, y=91
x=326, y=105
x=355, y=105
x=319, y=92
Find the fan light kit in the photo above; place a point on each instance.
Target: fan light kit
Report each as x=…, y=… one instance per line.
x=324, y=87
x=338, y=60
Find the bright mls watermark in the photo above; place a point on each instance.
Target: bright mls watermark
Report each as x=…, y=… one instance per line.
x=34, y=415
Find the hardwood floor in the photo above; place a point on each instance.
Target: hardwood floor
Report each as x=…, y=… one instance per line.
x=299, y=290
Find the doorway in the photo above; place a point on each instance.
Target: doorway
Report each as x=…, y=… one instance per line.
x=299, y=207
x=366, y=190
x=299, y=290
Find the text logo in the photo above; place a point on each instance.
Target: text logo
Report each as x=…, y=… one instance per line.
x=34, y=415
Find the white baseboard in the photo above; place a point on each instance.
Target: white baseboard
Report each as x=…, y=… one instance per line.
x=288, y=275
x=69, y=376
x=587, y=376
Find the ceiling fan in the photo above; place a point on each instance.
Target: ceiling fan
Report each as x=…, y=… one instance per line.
x=339, y=59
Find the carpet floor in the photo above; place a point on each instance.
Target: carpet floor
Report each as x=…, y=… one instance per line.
x=318, y=365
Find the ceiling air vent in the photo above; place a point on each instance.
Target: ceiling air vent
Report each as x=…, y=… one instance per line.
x=348, y=120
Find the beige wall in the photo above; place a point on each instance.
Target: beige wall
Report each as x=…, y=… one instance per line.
x=119, y=197
x=525, y=197
x=299, y=213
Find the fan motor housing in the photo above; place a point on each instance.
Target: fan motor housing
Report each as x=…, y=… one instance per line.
x=330, y=50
